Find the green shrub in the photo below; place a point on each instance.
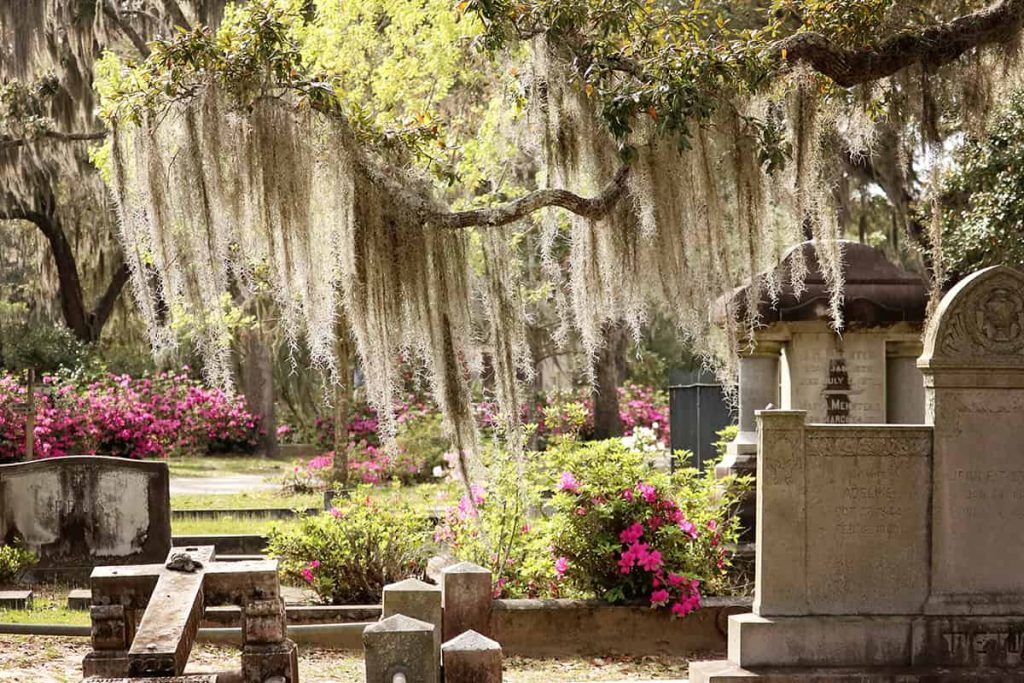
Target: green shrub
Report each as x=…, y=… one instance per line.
x=553, y=525
x=501, y=528
x=627, y=533
x=725, y=435
x=348, y=555
x=13, y=561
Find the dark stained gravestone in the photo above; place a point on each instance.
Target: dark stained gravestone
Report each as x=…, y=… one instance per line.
x=78, y=512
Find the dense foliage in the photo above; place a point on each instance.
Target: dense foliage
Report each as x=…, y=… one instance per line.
x=599, y=521
x=348, y=555
x=14, y=560
x=420, y=451
x=165, y=414
x=983, y=197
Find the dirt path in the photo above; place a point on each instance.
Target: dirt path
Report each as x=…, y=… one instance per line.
x=25, y=659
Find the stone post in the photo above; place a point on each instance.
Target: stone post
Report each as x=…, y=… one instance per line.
x=416, y=599
x=780, y=582
x=904, y=383
x=471, y=658
x=111, y=638
x=266, y=650
x=401, y=645
x=758, y=387
x=466, y=591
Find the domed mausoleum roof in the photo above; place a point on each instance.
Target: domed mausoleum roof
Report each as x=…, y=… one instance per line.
x=876, y=292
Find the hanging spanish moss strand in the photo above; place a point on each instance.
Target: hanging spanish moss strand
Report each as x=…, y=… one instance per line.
x=510, y=349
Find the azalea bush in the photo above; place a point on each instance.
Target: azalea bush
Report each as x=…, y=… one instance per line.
x=626, y=533
x=14, y=560
x=500, y=527
x=596, y=519
x=165, y=414
x=348, y=554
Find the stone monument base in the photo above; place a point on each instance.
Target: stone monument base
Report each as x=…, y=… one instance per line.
x=724, y=672
x=869, y=648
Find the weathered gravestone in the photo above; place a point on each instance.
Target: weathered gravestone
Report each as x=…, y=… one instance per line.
x=145, y=618
x=80, y=511
x=895, y=553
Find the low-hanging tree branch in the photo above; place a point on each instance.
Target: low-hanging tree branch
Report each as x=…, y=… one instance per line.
x=54, y=135
x=931, y=46
x=593, y=207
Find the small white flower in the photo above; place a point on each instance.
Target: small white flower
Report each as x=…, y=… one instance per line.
x=438, y=471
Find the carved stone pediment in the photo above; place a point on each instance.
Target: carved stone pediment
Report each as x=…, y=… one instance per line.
x=979, y=323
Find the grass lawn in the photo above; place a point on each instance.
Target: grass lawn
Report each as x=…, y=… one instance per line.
x=247, y=499
x=49, y=606
x=26, y=658
x=221, y=465
x=229, y=524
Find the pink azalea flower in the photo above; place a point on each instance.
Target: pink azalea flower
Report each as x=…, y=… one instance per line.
x=568, y=483
x=561, y=566
x=659, y=597
x=651, y=561
x=632, y=533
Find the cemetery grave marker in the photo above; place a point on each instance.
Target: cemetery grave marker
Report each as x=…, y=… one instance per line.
x=145, y=618
x=893, y=552
x=77, y=512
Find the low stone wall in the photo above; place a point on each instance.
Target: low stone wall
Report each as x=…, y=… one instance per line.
x=558, y=628
x=81, y=511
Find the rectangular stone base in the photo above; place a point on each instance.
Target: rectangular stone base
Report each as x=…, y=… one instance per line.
x=724, y=672
x=877, y=641
x=260, y=662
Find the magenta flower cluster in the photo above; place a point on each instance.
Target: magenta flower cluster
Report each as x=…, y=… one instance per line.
x=124, y=416
x=654, y=530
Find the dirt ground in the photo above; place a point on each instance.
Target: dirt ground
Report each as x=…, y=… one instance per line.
x=35, y=659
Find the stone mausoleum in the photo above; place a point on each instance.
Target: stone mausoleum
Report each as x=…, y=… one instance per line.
x=893, y=552
x=864, y=373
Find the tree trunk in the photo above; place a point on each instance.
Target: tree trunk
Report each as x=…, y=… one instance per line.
x=258, y=385
x=610, y=373
x=84, y=324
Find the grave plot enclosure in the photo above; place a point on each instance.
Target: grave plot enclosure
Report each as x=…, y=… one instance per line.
x=894, y=552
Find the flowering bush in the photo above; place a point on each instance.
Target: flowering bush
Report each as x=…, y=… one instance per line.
x=625, y=533
x=124, y=416
x=13, y=560
x=494, y=528
x=348, y=555
x=611, y=527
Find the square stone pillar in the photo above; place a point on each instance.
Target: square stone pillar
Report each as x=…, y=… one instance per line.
x=111, y=635
x=780, y=582
x=467, y=593
x=758, y=388
x=401, y=645
x=471, y=658
x=416, y=599
x=266, y=650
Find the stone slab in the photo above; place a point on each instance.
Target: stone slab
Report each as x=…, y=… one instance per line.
x=194, y=678
x=973, y=364
x=21, y=599
x=820, y=641
x=724, y=672
x=79, y=599
x=867, y=522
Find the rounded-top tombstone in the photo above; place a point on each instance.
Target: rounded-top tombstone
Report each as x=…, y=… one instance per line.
x=973, y=365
